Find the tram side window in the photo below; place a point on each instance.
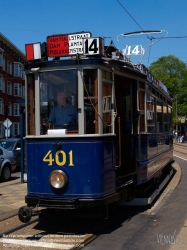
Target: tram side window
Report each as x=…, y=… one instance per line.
x=142, y=110
x=159, y=116
x=107, y=101
x=30, y=104
x=150, y=107
x=170, y=119
x=59, y=100
x=165, y=118
x=91, y=101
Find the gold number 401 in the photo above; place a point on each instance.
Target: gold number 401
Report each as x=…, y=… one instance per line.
x=50, y=159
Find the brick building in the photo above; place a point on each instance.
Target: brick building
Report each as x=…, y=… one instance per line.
x=12, y=86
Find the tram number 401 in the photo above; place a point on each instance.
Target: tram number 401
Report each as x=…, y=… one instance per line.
x=60, y=158
x=93, y=46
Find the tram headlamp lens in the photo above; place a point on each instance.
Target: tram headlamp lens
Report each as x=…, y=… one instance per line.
x=58, y=179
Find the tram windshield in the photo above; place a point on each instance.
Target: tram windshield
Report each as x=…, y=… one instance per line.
x=58, y=100
x=58, y=95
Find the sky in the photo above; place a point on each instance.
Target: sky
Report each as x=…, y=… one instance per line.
x=24, y=21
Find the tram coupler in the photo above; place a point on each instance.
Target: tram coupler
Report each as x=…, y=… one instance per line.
x=25, y=214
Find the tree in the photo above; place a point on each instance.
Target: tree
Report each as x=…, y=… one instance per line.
x=172, y=72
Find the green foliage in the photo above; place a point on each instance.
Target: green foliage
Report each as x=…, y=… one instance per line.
x=172, y=72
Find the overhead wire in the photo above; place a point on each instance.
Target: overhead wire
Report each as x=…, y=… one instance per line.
x=150, y=38
x=130, y=16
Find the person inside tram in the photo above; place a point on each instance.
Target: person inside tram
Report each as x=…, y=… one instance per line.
x=63, y=116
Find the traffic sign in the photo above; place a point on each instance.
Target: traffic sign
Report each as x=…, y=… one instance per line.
x=7, y=132
x=7, y=123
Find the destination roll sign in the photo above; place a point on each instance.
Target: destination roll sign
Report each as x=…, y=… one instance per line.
x=66, y=45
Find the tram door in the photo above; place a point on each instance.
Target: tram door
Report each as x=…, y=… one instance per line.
x=124, y=127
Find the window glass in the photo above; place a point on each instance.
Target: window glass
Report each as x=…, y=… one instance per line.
x=1, y=106
x=142, y=110
x=1, y=82
x=30, y=104
x=165, y=118
x=3, y=86
x=59, y=101
x=3, y=63
x=18, y=70
x=16, y=109
x=16, y=89
x=90, y=101
x=9, y=90
x=1, y=59
x=159, y=117
x=150, y=114
x=9, y=67
x=1, y=129
x=170, y=118
x=9, y=108
x=107, y=112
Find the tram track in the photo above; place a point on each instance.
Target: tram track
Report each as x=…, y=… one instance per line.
x=180, y=150
x=60, y=240
x=18, y=228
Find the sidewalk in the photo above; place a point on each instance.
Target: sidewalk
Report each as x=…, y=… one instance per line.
x=12, y=197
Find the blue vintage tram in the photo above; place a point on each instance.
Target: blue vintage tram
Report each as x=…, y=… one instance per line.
x=121, y=144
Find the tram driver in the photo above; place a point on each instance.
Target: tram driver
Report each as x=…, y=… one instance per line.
x=63, y=116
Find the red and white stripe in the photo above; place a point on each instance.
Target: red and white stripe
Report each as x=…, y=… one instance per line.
x=33, y=51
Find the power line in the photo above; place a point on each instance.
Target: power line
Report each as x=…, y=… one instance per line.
x=171, y=37
x=130, y=15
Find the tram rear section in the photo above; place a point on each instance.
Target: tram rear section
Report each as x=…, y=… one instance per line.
x=119, y=149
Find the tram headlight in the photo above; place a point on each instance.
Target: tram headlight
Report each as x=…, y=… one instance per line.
x=58, y=179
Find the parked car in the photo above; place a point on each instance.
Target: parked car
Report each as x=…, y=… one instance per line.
x=7, y=164
x=14, y=145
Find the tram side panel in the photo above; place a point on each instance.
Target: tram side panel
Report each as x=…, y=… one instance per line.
x=89, y=165
x=154, y=154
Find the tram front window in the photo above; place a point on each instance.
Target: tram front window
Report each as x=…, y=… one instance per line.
x=58, y=101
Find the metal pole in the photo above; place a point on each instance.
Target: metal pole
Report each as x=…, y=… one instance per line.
x=176, y=119
x=22, y=143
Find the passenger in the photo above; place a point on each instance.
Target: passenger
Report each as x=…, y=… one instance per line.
x=64, y=115
x=181, y=138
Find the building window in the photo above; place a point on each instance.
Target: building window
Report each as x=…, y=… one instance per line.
x=1, y=130
x=9, y=67
x=1, y=106
x=23, y=75
x=9, y=88
x=20, y=90
x=18, y=69
x=16, y=129
x=3, y=86
x=1, y=58
x=3, y=63
x=17, y=89
x=23, y=91
x=16, y=109
x=1, y=82
x=9, y=108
